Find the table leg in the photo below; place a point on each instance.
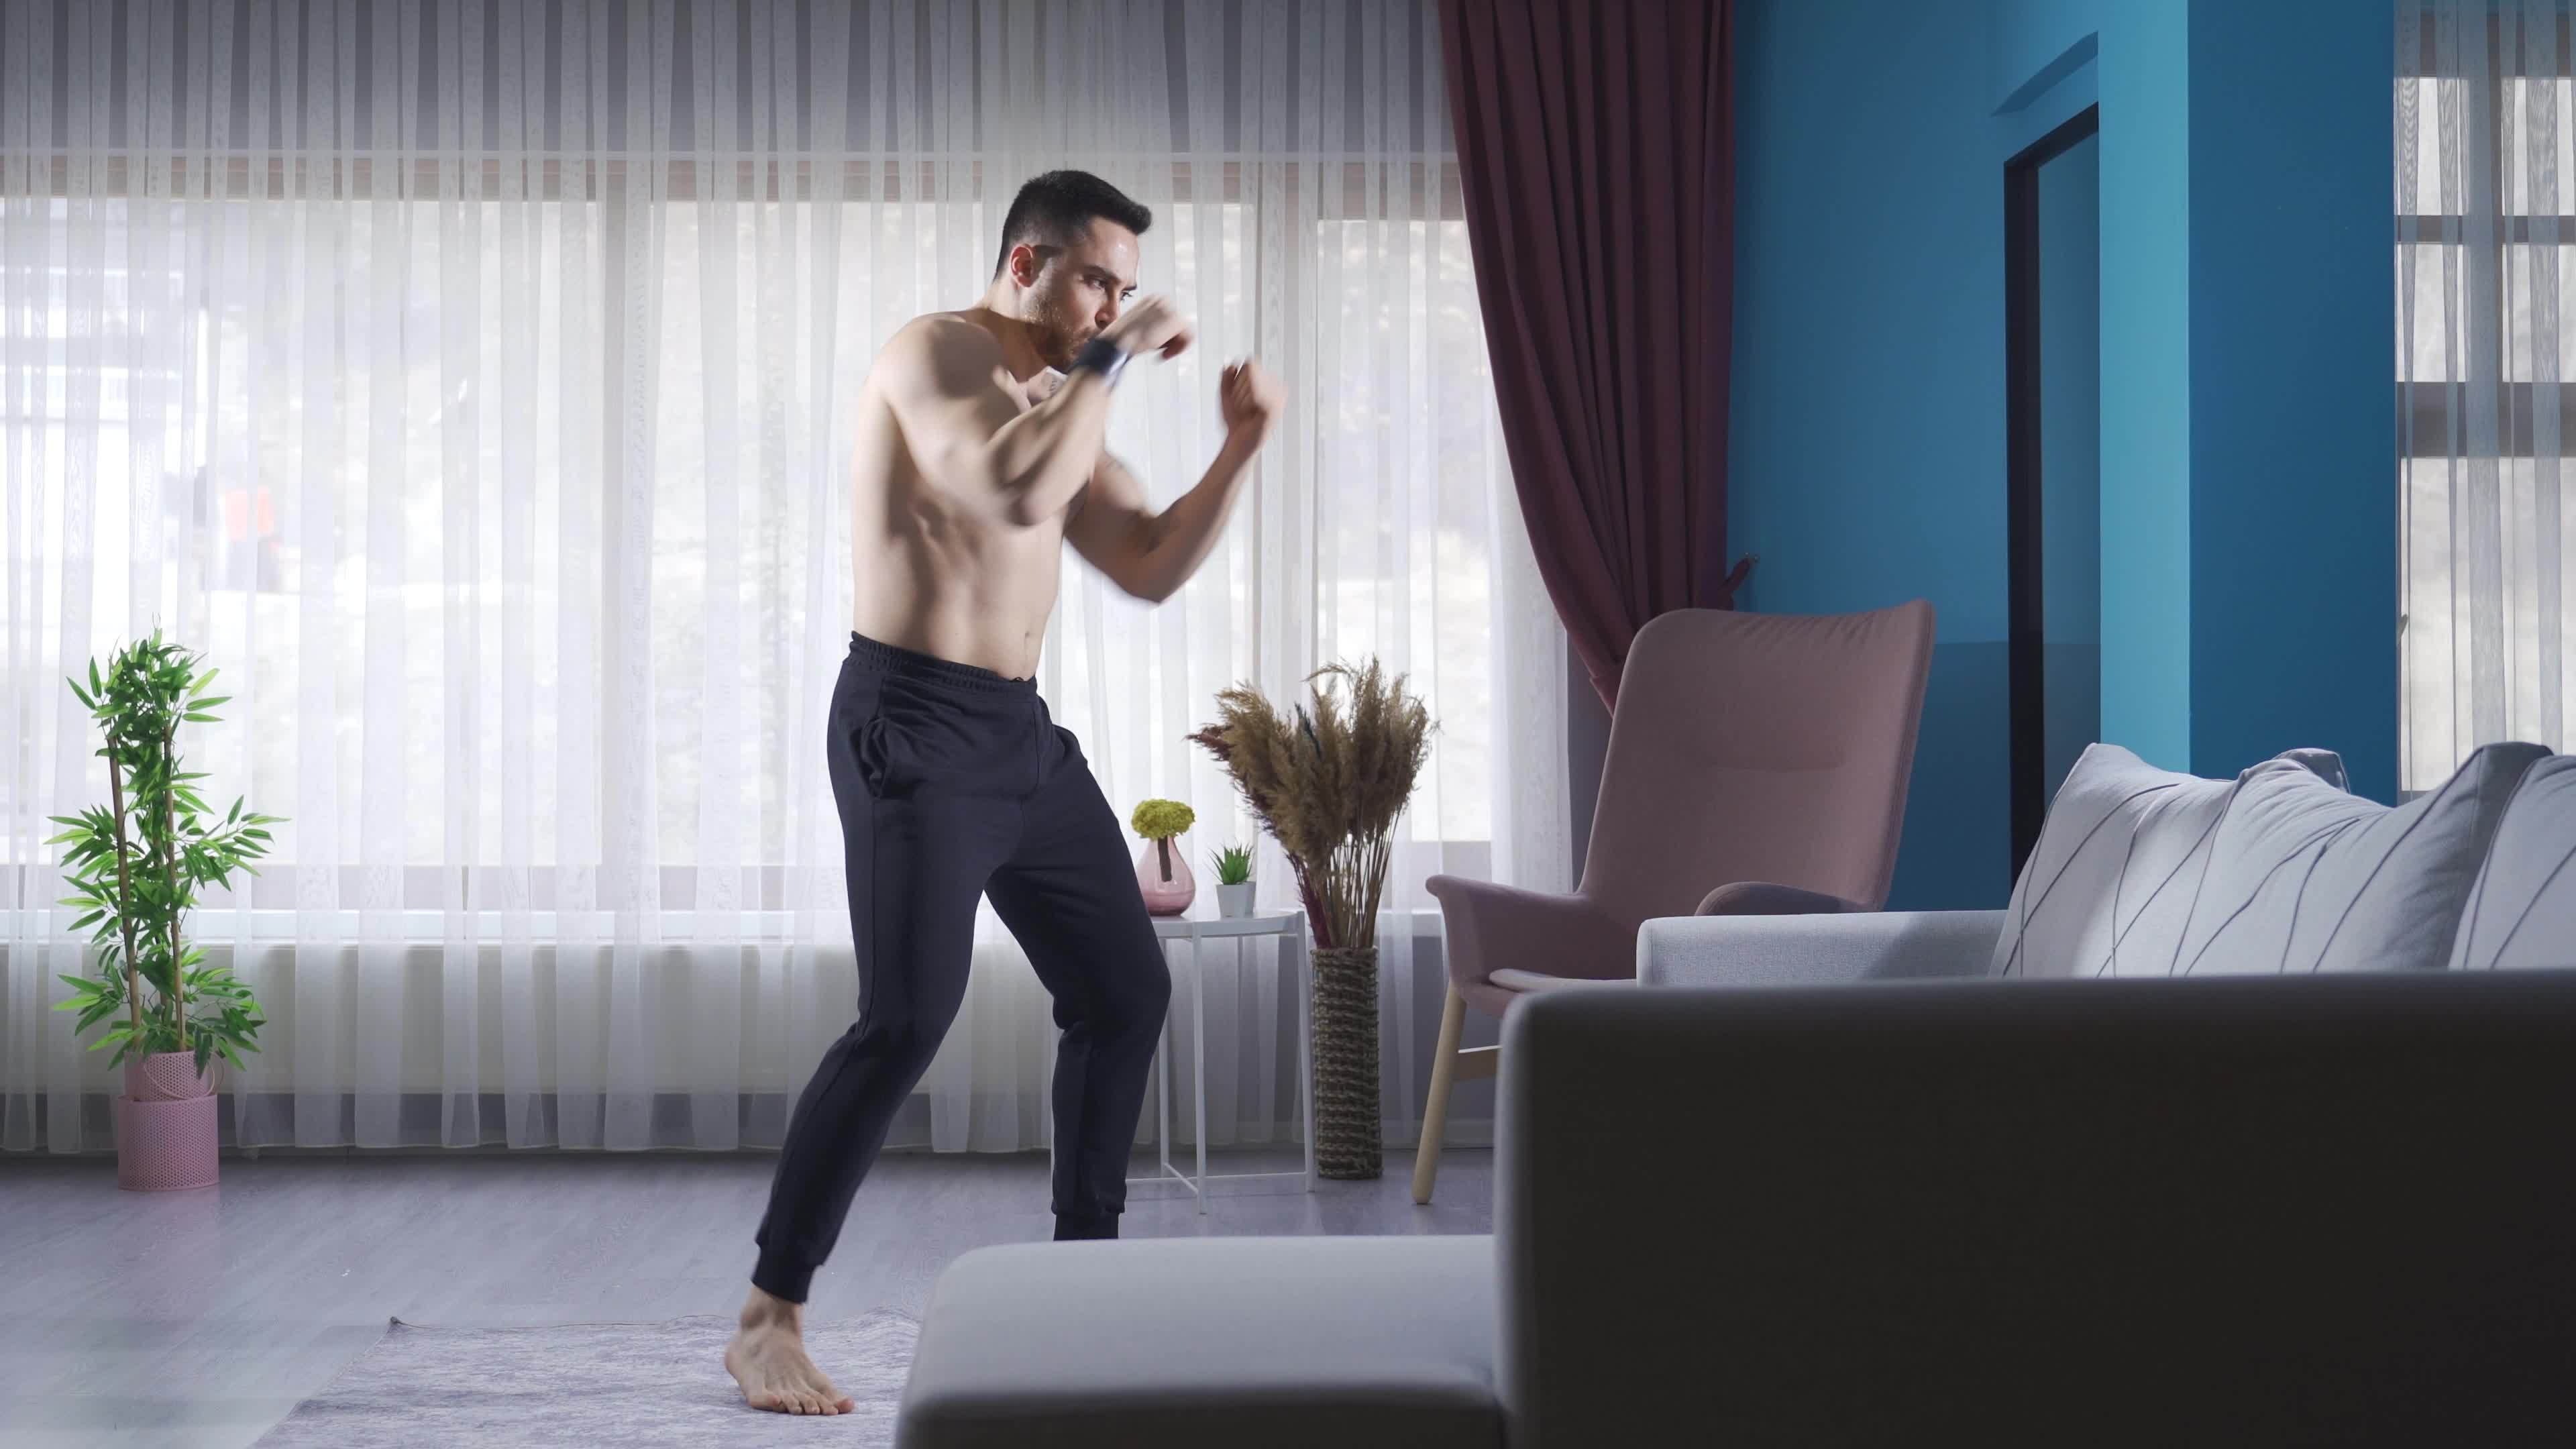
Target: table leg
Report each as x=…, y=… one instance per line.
x=1198, y=1052
x=1163, y=1083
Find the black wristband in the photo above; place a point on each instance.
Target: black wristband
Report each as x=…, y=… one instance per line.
x=1101, y=356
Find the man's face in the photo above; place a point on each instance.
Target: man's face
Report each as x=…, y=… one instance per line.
x=1079, y=289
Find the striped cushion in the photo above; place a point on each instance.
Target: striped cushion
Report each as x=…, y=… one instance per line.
x=2108, y=889
x=2304, y=877
x=2522, y=911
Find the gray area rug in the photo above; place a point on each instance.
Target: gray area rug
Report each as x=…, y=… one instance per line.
x=634, y=1385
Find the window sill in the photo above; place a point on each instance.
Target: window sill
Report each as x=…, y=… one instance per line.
x=219, y=925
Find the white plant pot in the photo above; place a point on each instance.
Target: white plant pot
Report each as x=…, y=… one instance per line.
x=1234, y=900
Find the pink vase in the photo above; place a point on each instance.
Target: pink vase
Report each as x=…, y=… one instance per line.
x=165, y=1125
x=1163, y=872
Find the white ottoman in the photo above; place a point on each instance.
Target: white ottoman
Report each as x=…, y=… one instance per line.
x=1210, y=1343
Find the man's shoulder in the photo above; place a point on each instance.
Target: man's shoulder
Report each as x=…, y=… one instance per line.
x=941, y=353
x=941, y=334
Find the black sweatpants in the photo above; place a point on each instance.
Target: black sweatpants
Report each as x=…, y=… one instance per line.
x=953, y=781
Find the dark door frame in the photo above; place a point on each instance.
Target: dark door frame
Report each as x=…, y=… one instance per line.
x=2026, y=634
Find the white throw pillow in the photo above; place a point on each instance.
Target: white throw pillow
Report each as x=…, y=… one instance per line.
x=2107, y=890
x=2304, y=877
x=2522, y=912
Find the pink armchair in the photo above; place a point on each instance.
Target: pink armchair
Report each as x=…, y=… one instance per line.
x=1758, y=765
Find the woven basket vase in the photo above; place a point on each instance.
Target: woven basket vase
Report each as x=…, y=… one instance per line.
x=1347, y=1142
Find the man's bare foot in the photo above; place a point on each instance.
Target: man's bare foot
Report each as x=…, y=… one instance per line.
x=767, y=1357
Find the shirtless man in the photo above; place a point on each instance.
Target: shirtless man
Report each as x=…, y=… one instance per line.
x=971, y=472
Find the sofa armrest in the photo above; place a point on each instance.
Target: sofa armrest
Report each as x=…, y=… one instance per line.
x=1819, y=950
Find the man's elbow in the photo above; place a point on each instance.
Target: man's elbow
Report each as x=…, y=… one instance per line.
x=1151, y=589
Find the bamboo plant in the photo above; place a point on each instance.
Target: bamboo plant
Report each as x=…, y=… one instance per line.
x=137, y=863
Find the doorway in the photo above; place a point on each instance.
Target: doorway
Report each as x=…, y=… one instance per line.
x=2053, y=484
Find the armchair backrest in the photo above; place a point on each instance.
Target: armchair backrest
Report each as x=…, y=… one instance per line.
x=1758, y=747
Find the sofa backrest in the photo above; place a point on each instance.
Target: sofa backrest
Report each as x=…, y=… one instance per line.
x=2145, y=872
x=2305, y=877
x=2311, y=1209
x=2522, y=910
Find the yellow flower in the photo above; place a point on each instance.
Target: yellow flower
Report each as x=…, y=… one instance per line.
x=1162, y=819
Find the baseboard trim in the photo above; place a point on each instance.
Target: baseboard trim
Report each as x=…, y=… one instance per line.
x=760, y=1123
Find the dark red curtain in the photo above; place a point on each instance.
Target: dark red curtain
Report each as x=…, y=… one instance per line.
x=1596, y=143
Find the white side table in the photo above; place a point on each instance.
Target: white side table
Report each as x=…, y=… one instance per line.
x=1290, y=928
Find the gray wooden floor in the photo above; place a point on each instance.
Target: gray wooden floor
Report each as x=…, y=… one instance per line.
x=202, y=1318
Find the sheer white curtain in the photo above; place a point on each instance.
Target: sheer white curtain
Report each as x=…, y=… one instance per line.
x=470, y=382
x=2486, y=356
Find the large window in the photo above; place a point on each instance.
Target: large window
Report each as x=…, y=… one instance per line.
x=510, y=490
x=2486, y=360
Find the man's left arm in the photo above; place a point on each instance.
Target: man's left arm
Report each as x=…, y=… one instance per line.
x=1150, y=555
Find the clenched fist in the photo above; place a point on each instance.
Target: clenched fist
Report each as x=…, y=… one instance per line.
x=1152, y=327
x=1248, y=398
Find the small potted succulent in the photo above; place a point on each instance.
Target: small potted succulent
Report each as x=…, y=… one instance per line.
x=1233, y=881
x=1162, y=872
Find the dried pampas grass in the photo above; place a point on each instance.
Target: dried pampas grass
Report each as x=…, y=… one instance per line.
x=1329, y=783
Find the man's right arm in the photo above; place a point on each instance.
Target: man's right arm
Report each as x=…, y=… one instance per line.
x=943, y=378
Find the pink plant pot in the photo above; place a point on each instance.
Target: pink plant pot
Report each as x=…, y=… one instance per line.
x=166, y=1146
x=167, y=1077
x=1165, y=895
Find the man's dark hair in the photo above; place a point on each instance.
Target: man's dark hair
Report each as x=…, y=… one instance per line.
x=1053, y=210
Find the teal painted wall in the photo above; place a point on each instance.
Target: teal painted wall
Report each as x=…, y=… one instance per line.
x=1866, y=447
x=2293, y=398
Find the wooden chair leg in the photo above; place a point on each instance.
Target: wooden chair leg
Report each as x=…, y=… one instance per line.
x=1435, y=1113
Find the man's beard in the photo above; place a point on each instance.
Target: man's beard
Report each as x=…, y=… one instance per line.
x=1058, y=336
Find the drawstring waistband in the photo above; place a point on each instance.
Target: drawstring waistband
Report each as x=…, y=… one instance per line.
x=931, y=666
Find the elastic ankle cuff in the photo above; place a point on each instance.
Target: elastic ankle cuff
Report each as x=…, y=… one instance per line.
x=1072, y=1226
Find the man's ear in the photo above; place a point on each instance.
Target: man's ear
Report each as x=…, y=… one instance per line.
x=1026, y=262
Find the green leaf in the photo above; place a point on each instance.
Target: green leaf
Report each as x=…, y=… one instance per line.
x=88, y=919
x=203, y=718
x=211, y=703
x=203, y=680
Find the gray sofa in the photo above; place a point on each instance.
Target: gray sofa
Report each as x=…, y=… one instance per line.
x=2254, y=1205
x=2258, y=1210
